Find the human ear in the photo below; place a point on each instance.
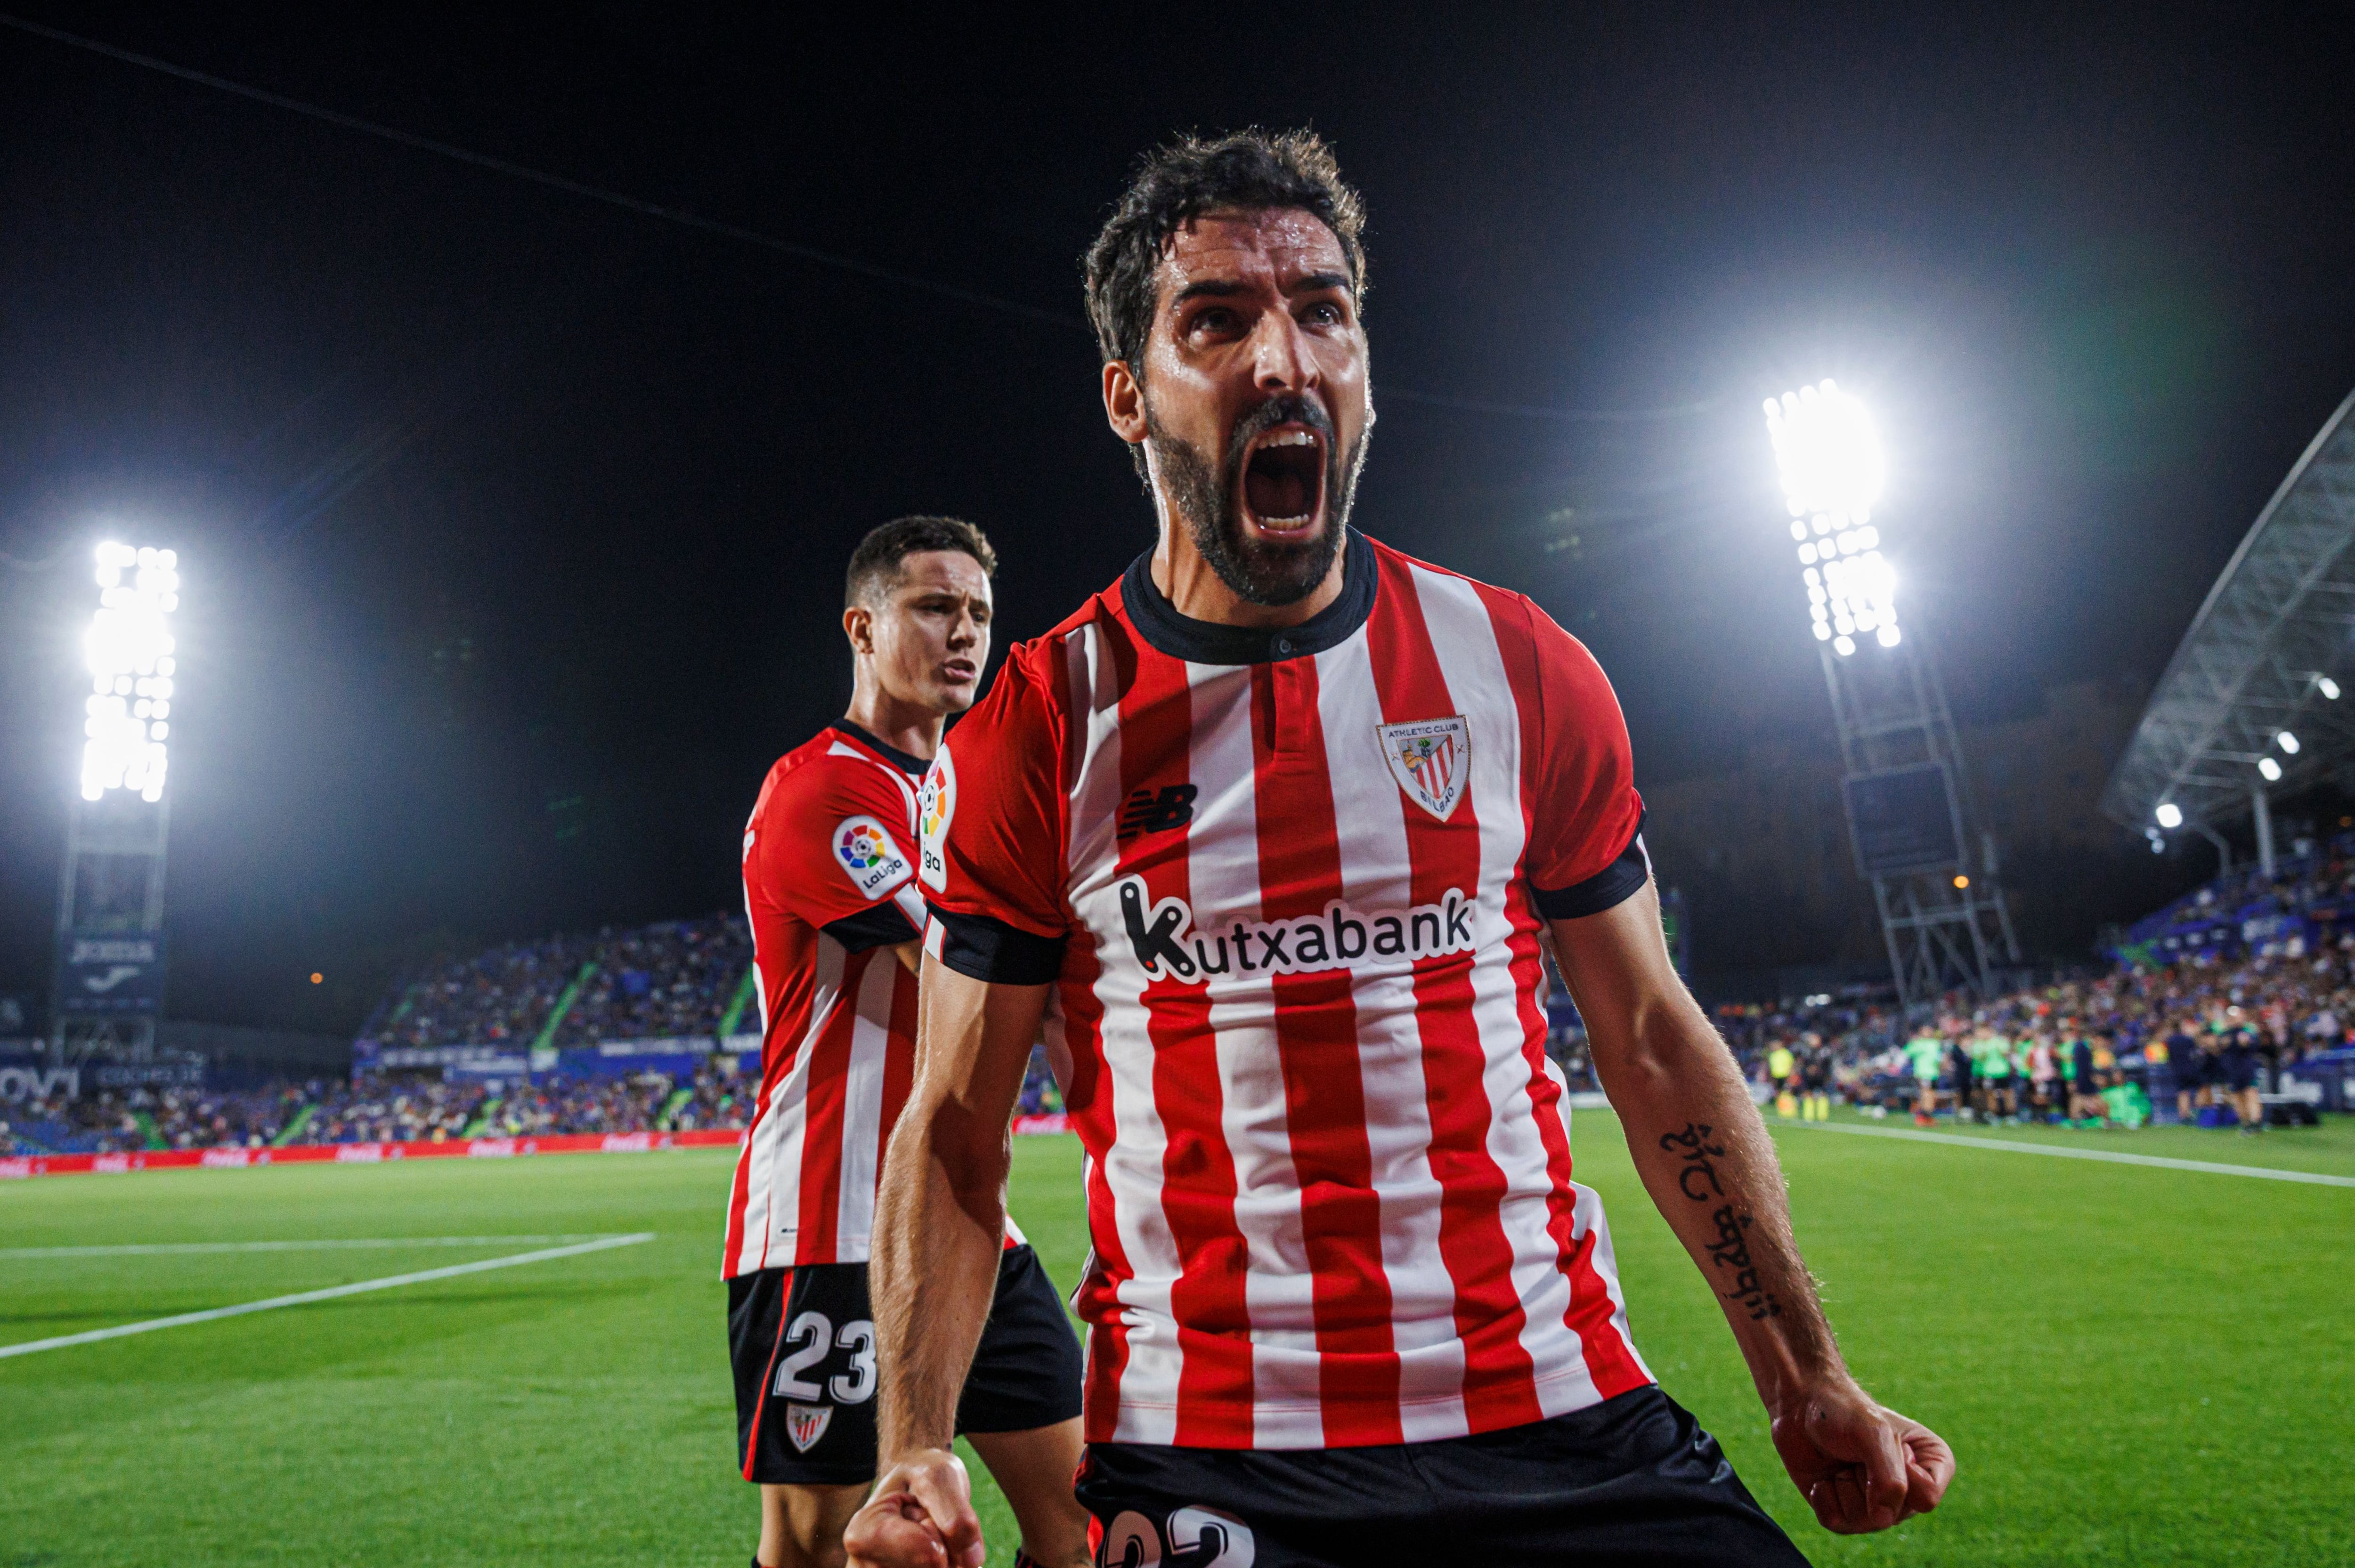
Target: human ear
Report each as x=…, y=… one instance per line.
x=1123, y=400
x=858, y=625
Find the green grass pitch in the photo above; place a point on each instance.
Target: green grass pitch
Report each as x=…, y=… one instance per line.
x=2135, y=1365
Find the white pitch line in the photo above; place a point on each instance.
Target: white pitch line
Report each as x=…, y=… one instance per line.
x=324, y=1244
x=212, y=1314
x=2115, y=1156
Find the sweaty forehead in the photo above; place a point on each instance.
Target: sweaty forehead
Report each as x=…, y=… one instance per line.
x=937, y=571
x=1266, y=245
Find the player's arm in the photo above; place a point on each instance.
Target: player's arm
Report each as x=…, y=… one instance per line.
x=1704, y=1156
x=941, y=1223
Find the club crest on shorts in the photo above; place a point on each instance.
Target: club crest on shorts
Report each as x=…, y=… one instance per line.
x=1430, y=758
x=806, y=1423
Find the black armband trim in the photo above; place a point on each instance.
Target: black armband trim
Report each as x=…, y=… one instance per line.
x=881, y=925
x=1614, y=884
x=983, y=948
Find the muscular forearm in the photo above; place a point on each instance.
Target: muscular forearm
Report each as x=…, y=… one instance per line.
x=934, y=1272
x=941, y=1211
x=1705, y=1158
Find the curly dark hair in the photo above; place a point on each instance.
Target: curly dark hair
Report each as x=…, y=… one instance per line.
x=875, y=565
x=1192, y=175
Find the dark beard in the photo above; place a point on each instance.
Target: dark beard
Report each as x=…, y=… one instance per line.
x=1208, y=499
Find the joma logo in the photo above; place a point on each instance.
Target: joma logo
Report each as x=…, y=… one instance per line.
x=1165, y=945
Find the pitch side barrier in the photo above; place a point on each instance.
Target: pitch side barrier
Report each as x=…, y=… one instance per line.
x=21, y=1166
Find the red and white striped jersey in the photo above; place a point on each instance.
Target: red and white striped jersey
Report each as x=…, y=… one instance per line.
x=1287, y=885
x=828, y=889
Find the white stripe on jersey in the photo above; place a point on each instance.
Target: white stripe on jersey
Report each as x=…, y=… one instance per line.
x=1377, y=872
x=1463, y=637
x=784, y=1119
x=1148, y=1382
x=1279, y=1289
x=862, y=1109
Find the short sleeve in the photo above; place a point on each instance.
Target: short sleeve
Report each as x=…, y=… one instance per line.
x=990, y=831
x=1586, y=840
x=829, y=845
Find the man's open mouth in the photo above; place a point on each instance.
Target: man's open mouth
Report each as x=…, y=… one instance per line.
x=1284, y=480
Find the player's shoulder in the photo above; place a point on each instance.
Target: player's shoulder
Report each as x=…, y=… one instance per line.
x=1513, y=618
x=1035, y=683
x=1042, y=664
x=835, y=767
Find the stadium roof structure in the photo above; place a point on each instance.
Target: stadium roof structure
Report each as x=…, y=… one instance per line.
x=2267, y=654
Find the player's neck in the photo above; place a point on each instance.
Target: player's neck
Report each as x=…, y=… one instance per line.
x=1194, y=588
x=907, y=727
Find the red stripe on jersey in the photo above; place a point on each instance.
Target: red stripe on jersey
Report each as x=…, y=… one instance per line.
x=1497, y=1390
x=1214, y=1387
x=1610, y=1360
x=1317, y=1034
x=1088, y=1097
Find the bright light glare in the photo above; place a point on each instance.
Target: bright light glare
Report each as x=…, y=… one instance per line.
x=2287, y=742
x=2270, y=768
x=2327, y=687
x=2170, y=814
x=1832, y=475
x=130, y=648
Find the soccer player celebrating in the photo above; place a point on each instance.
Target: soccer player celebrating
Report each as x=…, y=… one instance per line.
x=828, y=885
x=1270, y=833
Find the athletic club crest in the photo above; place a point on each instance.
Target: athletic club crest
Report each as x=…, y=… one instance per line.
x=1430, y=758
x=806, y=1423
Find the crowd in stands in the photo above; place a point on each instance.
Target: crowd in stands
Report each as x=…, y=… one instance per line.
x=500, y=996
x=672, y=980
x=2209, y=1000
x=669, y=981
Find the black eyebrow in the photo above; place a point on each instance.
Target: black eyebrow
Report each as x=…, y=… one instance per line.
x=1316, y=280
x=1218, y=287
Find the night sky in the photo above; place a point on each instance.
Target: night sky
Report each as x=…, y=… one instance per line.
x=512, y=524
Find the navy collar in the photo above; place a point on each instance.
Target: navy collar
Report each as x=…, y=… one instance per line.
x=1213, y=642
x=907, y=762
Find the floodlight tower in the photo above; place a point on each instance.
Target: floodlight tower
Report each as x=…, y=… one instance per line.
x=109, y=987
x=1911, y=824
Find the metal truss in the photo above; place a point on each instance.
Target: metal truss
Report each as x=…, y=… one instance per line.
x=2275, y=634
x=112, y=881
x=1890, y=710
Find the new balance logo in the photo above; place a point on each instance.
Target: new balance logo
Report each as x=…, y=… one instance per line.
x=1149, y=811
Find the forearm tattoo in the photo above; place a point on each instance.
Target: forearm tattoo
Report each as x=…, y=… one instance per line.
x=1698, y=1178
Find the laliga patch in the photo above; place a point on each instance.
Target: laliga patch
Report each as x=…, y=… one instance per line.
x=935, y=807
x=806, y=1423
x=868, y=857
x=1431, y=758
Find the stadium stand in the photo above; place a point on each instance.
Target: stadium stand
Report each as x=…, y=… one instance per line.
x=2267, y=961
x=669, y=981
x=500, y=996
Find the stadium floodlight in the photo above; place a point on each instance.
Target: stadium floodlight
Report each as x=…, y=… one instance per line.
x=2287, y=742
x=2170, y=814
x=2327, y=687
x=127, y=724
x=1832, y=475
x=2270, y=768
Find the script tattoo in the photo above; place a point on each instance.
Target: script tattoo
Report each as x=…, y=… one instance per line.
x=1698, y=1179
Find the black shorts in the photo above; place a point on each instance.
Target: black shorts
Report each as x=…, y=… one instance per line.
x=1632, y=1481
x=803, y=1341
x=2240, y=1072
